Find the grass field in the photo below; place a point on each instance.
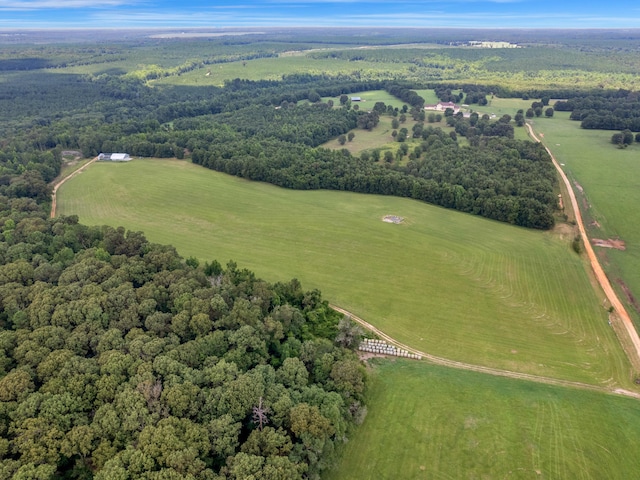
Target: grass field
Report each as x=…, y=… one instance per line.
x=429, y=422
x=273, y=69
x=447, y=283
x=610, y=179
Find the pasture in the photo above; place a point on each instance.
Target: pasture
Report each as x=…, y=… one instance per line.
x=380, y=137
x=447, y=283
x=610, y=180
x=431, y=422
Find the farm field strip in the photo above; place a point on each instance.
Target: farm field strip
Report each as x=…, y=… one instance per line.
x=405, y=278
x=478, y=368
x=609, y=180
x=619, y=312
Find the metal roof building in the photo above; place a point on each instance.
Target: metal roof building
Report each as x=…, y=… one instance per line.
x=114, y=157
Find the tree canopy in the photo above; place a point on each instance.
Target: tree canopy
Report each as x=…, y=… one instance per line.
x=118, y=359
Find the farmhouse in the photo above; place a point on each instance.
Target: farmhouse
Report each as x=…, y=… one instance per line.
x=442, y=106
x=114, y=157
x=356, y=99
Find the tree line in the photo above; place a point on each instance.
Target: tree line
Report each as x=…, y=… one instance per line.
x=500, y=178
x=618, y=110
x=259, y=130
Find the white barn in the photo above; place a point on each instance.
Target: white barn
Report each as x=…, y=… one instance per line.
x=114, y=157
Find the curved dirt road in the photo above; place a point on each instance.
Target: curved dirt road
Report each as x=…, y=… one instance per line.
x=620, y=312
x=61, y=181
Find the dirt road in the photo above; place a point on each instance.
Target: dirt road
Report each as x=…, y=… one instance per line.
x=620, y=314
x=61, y=181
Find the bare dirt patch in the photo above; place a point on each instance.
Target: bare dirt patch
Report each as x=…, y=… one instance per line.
x=71, y=153
x=579, y=187
x=564, y=230
x=630, y=298
x=609, y=243
x=392, y=219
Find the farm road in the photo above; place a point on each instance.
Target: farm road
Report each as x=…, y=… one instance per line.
x=620, y=314
x=61, y=181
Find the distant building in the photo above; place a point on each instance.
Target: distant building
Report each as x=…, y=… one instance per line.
x=356, y=99
x=114, y=157
x=442, y=106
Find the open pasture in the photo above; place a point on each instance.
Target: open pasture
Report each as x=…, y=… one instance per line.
x=379, y=137
x=451, y=284
x=369, y=99
x=430, y=422
x=610, y=180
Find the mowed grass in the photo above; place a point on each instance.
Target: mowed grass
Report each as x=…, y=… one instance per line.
x=431, y=422
x=610, y=178
x=380, y=137
x=447, y=283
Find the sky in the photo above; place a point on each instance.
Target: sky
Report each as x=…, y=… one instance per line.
x=306, y=13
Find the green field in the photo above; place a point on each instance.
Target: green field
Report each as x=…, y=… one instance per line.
x=429, y=422
x=451, y=284
x=610, y=179
x=274, y=68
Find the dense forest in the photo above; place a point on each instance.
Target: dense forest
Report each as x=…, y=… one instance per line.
x=119, y=359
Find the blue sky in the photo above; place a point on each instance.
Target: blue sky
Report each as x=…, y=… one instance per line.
x=339, y=13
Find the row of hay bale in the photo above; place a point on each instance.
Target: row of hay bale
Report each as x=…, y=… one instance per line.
x=381, y=347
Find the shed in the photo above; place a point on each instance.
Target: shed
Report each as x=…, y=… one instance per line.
x=114, y=157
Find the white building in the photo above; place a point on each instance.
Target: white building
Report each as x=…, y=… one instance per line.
x=114, y=157
x=442, y=106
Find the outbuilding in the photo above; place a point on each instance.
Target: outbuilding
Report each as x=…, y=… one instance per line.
x=114, y=157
